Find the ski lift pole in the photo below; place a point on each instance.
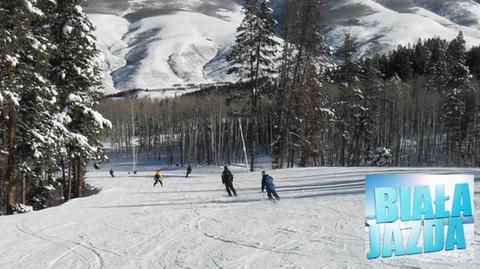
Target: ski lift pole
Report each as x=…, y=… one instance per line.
x=243, y=142
x=133, y=141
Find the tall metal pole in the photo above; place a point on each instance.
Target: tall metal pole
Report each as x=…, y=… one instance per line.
x=133, y=141
x=243, y=141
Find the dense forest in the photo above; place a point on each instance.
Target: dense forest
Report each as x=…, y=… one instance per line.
x=49, y=86
x=306, y=105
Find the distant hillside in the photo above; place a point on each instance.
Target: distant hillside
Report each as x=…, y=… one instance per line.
x=159, y=44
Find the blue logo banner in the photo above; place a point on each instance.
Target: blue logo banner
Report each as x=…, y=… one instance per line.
x=418, y=214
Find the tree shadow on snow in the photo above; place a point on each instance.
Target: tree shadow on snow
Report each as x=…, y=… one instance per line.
x=95, y=177
x=325, y=183
x=323, y=188
x=177, y=192
x=90, y=190
x=285, y=188
x=238, y=200
x=363, y=173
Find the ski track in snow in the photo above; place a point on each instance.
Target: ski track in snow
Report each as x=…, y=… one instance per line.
x=188, y=223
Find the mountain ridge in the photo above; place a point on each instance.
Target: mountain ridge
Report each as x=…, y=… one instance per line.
x=158, y=44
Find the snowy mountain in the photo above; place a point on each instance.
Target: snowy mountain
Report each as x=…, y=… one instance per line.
x=166, y=44
x=160, y=44
x=400, y=22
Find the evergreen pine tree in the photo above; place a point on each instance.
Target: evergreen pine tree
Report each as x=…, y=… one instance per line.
x=437, y=70
x=360, y=84
x=77, y=77
x=348, y=109
x=282, y=92
x=459, y=103
x=302, y=110
x=473, y=61
x=30, y=97
x=420, y=59
x=251, y=57
x=372, y=84
x=403, y=64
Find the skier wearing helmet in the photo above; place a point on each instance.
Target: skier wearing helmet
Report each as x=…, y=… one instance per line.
x=267, y=183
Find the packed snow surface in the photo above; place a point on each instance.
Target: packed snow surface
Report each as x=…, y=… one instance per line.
x=190, y=223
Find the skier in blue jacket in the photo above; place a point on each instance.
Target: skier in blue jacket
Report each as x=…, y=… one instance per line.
x=267, y=183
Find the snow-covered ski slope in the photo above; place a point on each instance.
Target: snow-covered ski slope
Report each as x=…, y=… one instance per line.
x=189, y=223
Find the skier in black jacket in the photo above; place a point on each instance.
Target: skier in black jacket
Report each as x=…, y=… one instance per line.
x=227, y=179
x=189, y=170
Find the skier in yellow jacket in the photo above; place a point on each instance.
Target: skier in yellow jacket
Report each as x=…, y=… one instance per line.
x=158, y=178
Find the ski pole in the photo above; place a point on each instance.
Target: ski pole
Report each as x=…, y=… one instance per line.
x=240, y=189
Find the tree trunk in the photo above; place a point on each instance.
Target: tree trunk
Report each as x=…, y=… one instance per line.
x=9, y=175
x=79, y=168
x=342, y=152
x=69, y=183
x=253, y=135
x=64, y=178
x=24, y=189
